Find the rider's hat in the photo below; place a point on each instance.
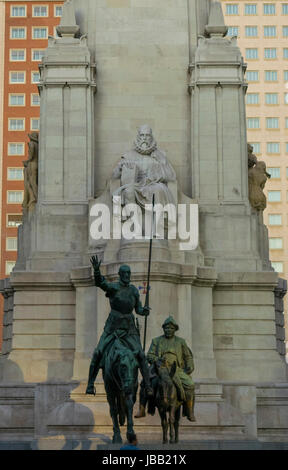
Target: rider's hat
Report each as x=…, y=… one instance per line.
x=170, y=320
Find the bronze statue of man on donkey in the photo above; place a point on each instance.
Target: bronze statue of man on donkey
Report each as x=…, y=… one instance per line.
x=165, y=350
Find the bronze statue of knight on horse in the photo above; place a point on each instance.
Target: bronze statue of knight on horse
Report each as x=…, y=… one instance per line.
x=119, y=352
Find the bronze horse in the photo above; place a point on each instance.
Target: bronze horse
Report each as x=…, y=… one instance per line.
x=168, y=402
x=120, y=374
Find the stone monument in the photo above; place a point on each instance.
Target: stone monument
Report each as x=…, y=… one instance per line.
x=168, y=65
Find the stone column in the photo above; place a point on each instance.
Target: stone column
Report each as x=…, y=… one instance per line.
x=8, y=293
x=202, y=323
x=280, y=293
x=66, y=150
x=219, y=151
x=86, y=321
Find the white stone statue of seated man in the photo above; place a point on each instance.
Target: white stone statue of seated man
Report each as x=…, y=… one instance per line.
x=144, y=171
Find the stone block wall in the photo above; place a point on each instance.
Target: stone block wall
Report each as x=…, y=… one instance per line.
x=244, y=328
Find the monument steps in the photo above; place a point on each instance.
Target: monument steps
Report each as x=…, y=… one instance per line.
x=93, y=444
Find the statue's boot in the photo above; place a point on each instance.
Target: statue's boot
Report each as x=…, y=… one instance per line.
x=146, y=377
x=141, y=412
x=93, y=372
x=190, y=410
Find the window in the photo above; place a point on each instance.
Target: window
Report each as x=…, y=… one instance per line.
x=17, y=77
x=9, y=265
x=256, y=147
x=251, y=31
x=252, y=98
x=35, y=99
x=253, y=123
x=285, y=31
x=11, y=244
x=17, y=148
x=252, y=53
x=275, y=243
x=252, y=75
x=40, y=33
x=269, y=9
x=270, y=53
x=271, y=98
x=286, y=123
x=58, y=10
x=232, y=9
x=15, y=197
x=17, y=55
x=37, y=54
x=285, y=53
x=18, y=33
x=286, y=75
x=274, y=196
x=16, y=100
x=16, y=124
x=35, y=124
x=15, y=174
x=271, y=75
x=17, y=11
x=233, y=31
x=272, y=123
x=273, y=147
x=250, y=9
x=275, y=219
x=277, y=266
x=274, y=172
x=35, y=77
x=285, y=98
x=14, y=220
x=269, y=31
x=40, y=10
x=284, y=8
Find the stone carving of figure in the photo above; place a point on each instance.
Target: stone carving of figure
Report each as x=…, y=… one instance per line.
x=252, y=159
x=31, y=173
x=144, y=171
x=257, y=177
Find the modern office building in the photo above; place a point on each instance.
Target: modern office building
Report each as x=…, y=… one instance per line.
x=262, y=31
x=24, y=30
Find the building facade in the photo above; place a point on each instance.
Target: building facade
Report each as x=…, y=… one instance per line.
x=262, y=31
x=24, y=31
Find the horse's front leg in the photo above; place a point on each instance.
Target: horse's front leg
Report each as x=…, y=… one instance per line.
x=164, y=424
x=176, y=424
x=172, y=424
x=117, y=439
x=129, y=413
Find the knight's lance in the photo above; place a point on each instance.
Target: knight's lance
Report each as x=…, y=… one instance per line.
x=148, y=277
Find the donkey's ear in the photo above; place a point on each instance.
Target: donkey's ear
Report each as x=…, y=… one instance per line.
x=173, y=369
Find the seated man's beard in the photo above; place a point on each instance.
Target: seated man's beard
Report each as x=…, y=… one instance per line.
x=145, y=146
